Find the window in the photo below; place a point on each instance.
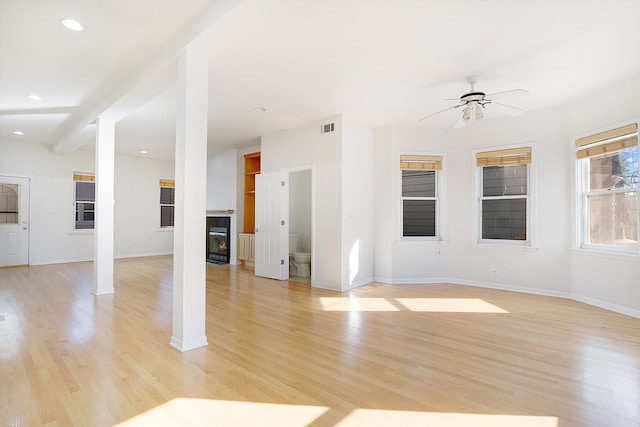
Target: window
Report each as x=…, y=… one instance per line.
x=504, y=194
x=608, y=184
x=419, y=198
x=84, y=190
x=167, y=202
x=9, y=203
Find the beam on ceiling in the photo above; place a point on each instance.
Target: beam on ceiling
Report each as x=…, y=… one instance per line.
x=137, y=85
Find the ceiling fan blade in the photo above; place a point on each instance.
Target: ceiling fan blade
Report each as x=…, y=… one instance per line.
x=460, y=122
x=506, y=109
x=507, y=94
x=441, y=111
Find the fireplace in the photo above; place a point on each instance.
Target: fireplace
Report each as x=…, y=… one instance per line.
x=218, y=239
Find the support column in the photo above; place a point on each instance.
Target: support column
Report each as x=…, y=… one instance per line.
x=104, y=201
x=189, y=246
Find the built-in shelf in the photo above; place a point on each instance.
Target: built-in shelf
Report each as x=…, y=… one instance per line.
x=251, y=169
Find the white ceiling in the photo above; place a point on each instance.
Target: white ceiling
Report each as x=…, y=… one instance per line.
x=381, y=62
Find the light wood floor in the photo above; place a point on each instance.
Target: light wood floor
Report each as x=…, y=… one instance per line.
x=284, y=354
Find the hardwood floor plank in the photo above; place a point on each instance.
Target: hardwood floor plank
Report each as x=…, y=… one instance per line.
x=283, y=351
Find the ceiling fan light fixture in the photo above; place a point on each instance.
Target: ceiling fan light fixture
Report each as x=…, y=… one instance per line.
x=474, y=102
x=467, y=114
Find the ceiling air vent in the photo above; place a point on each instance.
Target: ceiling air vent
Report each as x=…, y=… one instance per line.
x=329, y=127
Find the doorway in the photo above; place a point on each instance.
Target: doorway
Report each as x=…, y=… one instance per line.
x=300, y=226
x=14, y=221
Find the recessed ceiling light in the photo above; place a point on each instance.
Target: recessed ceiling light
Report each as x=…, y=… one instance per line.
x=72, y=24
x=143, y=152
x=18, y=132
x=34, y=97
x=260, y=109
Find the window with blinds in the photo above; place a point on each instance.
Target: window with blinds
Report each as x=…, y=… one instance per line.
x=84, y=196
x=419, y=195
x=504, y=194
x=167, y=202
x=608, y=187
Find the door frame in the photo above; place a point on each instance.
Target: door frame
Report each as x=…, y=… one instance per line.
x=285, y=203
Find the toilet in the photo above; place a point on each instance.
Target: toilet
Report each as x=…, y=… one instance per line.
x=299, y=262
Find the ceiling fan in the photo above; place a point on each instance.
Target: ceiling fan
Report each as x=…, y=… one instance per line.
x=474, y=102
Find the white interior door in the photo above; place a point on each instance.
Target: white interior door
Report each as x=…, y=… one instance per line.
x=14, y=221
x=270, y=261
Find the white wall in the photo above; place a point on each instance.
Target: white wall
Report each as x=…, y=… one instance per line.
x=52, y=238
x=553, y=265
x=541, y=268
x=459, y=258
x=137, y=229
x=357, y=204
x=400, y=261
x=222, y=193
x=610, y=281
x=222, y=173
x=303, y=147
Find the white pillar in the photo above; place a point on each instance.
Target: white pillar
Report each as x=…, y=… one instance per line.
x=103, y=224
x=189, y=246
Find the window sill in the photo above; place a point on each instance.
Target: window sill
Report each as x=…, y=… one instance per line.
x=165, y=229
x=505, y=244
x=602, y=253
x=419, y=240
x=81, y=231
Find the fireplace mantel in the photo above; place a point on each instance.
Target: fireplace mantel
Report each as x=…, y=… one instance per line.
x=218, y=212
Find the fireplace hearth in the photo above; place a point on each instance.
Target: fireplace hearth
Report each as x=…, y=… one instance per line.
x=218, y=239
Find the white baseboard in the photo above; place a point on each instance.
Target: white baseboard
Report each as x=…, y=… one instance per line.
x=503, y=287
x=534, y=291
x=607, y=306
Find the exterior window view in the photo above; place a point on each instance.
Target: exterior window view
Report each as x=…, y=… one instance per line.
x=612, y=199
x=504, y=202
x=419, y=195
x=85, y=197
x=608, y=185
x=503, y=194
x=167, y=203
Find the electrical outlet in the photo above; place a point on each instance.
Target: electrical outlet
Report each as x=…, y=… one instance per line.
x=493, y=270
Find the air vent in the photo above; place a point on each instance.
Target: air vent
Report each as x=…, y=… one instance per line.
x=329, y=127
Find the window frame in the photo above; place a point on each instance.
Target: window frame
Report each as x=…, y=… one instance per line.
x=583, y=192
x=530, y=198
x=79, y=176
x=438, y=197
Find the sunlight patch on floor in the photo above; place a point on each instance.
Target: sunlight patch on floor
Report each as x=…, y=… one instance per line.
x=450, y=305
x=378, y=417
x=431, y=305
x=203, y=412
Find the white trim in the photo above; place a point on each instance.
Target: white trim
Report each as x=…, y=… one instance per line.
x=414, y=281
x=509, y=288
x=440, y=198
x=530, y=197
x=607, y=306
x=581, y=194
x=73, y=229
x=609, y=254
x=601, y=129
